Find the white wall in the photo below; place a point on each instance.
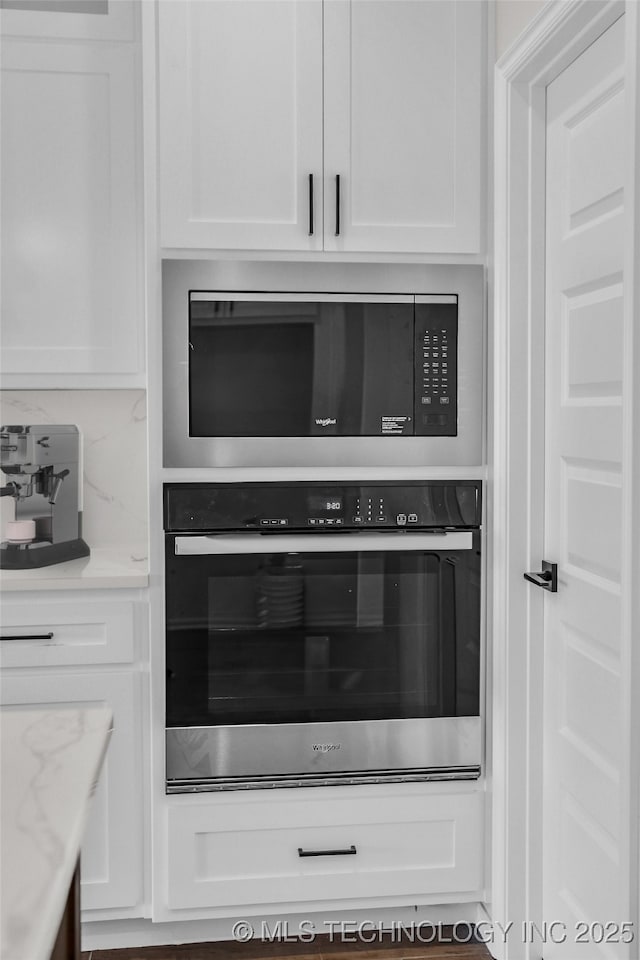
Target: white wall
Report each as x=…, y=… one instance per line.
x=512, y=16
x=112, y=426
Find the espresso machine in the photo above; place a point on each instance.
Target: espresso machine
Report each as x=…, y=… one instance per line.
x=41, y=466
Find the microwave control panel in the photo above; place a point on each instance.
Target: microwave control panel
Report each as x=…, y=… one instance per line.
x=436, y=369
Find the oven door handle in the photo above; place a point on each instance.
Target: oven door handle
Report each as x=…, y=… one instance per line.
x=249, y=543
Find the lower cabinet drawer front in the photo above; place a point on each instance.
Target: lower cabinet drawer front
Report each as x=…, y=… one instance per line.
x=213, y=863
x=66, y=634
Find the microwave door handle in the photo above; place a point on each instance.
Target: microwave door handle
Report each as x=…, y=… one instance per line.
x=243, y=543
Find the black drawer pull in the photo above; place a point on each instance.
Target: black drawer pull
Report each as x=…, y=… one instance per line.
x=327, y=853
x=28, y=636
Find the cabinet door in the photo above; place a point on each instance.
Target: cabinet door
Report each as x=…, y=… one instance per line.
x=111, y=857
x=240, y=123
x=71, y=257
x=403, y=124
x=71, y=19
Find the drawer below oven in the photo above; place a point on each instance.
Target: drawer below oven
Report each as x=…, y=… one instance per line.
x=421, y=844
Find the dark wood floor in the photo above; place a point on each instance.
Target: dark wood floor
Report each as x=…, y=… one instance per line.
x=322, y=947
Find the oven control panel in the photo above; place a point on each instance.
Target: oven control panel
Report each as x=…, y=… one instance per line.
x=373, y=510
x=273, y=508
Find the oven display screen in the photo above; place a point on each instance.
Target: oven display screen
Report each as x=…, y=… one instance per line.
x=325, y=504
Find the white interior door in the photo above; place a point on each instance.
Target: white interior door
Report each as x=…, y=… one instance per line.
x=585, y=832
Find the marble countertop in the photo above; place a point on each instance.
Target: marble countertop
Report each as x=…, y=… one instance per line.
x=107, y=567
x=50, y=760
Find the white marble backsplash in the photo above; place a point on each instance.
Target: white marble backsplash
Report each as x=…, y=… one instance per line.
x=112, y=425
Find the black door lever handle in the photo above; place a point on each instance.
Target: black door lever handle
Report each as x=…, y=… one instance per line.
x=547, y=578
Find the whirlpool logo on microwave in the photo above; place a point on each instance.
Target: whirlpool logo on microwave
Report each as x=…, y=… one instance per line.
x=326, y=421
x=326, y=747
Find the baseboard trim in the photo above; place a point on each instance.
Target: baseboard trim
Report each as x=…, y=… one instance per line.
x=117, y=934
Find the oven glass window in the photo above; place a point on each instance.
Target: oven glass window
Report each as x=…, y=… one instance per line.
x=290, y=638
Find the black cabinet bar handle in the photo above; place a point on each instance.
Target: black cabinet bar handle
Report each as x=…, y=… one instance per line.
x=337, y=204
x=547, y=578
x=327, y=853
x=27, y=636
x=310, y=204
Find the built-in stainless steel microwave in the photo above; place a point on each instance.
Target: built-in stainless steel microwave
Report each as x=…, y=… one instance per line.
x=306, y=377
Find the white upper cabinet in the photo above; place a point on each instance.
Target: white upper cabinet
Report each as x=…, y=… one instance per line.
x=380, y=101
x=241, y=123
x=72, y=296
x=403, y=112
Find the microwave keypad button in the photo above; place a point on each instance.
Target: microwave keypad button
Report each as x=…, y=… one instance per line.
x=381, y=519
x=413, y=518
x=358, y=520
x=264, y=523
x=311, y=521
x=401, y=519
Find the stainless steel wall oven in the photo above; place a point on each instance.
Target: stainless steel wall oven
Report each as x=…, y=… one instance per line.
x=322, y=632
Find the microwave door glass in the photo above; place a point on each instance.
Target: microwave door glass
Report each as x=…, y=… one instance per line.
x=251, y=367
x=381, y=345
x=298, y=369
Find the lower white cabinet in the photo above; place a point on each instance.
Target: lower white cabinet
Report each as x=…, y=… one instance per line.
x=418, y=842
x=62, y=634
x=75, y=648
x=111, y=856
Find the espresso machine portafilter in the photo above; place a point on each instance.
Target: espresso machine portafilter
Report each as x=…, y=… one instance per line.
x=41, y=467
